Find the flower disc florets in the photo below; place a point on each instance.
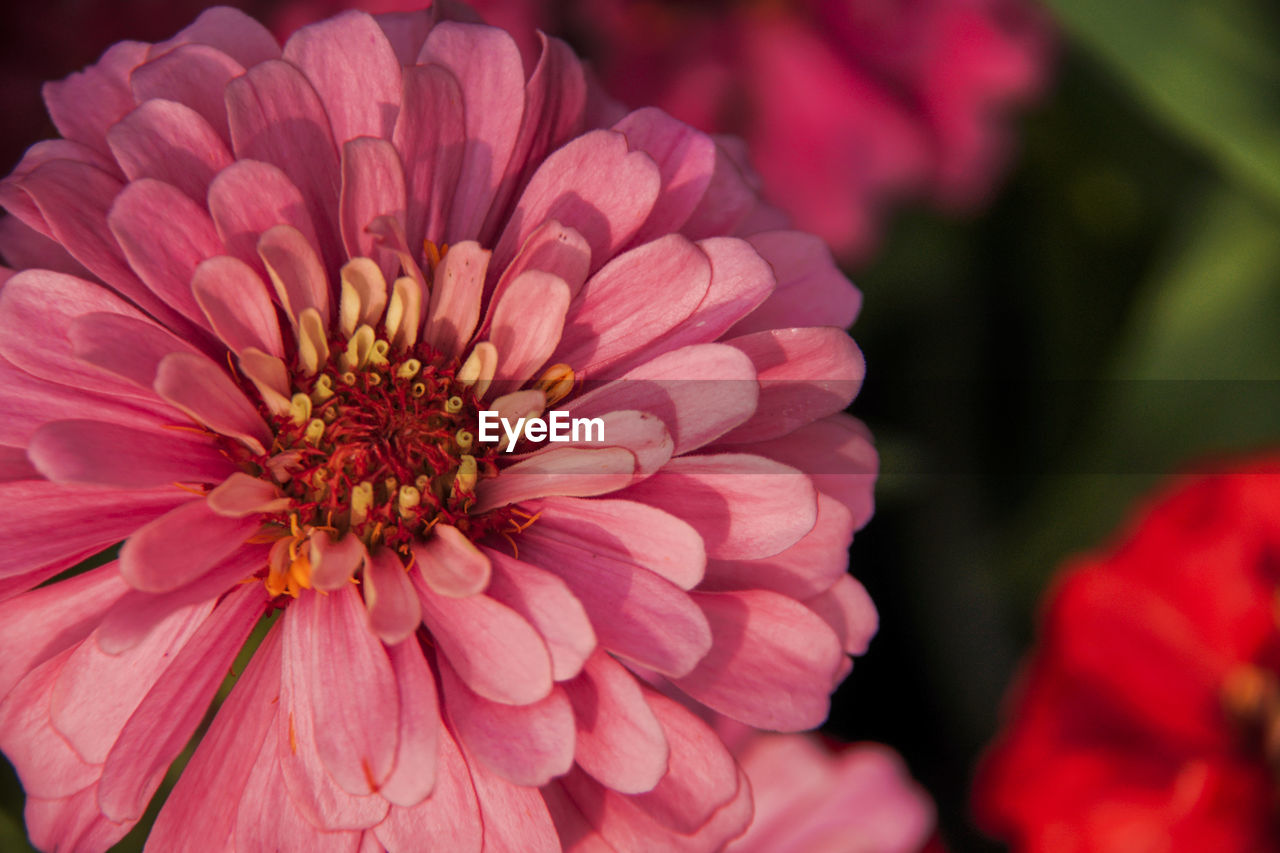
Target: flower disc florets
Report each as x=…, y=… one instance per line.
x=381, y=445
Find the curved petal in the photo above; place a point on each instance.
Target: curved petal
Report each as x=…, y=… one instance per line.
x=620, y=741
x=354, y=71
x=180, y=546
x=170, y=142
x=525, y=744
x=393, y=609
x=492, y=648
x=106, y=454
x=772, y=662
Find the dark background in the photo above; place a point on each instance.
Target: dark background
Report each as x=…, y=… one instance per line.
x=1110, y=318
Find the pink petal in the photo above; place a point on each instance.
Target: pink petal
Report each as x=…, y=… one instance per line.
x=629, y=531
x=178, y=547
x=22, y=247
x=593, y=185
x=417, y=758
x=730, y=198
x=515, y=818
x=838, y=455
x=306, y=777
x=551, y=248
x=228, y=30
x=392, y=605
x=447, y=820
x=492, y=648
x=624, y=826
x=146, y=208
x=805, y=374
x=14, y=465
x=525, y=744
x=29, y=403
x=203, y=390
x=631, y=302
x=635, y=613
x=450, y=564
x=242, y=494
x=526, y=325
x=236, y=304
x=686, y=161
x=96, y=693
x=170, y=142
x=555, y=96
x=276, y=116
x=333, y=563
x=772, y=662
x=492, y=107
x=429, y=135
x=808, y=567
x=354, y=71
x=811, y=289
x=724, y=495
x=39, y=624
x=36, y=310
x=249, y=198
x=620, y=741
x=131, y=619
x=740, y=281
x=406, y=31
x=562, y=471
x=172, y=710
x=372, y=186
x=88, y=102
x=129, y=347
x=87, y=520
x=224, y=758
x=112, y=455
x=268, y=819
x=194, y=75
x=643, y=434
x=545, y=601
x=455, y=298
x=73, y=198
x=700, y=392
x=295, y=270
x=352, y=688
x=71, y=823
x=701, y=775
x=847, y=608
x=47, y=765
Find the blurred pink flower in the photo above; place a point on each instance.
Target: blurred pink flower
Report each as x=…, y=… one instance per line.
x=808, y=799
x=846, y=105
x=465, y=645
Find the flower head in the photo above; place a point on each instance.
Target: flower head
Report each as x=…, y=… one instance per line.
x=263, y=296
x=1147, y=718
x=846, y=106
x=808, y=797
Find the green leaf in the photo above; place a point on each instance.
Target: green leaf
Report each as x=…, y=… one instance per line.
x=1207, y=67
x=1196, y=380
x=12, y=837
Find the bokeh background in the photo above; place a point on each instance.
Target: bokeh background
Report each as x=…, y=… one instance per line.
x=1111, y=316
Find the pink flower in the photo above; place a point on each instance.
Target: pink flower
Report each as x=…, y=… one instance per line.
x=860, y=799
x=264, y=296
x=846, y=106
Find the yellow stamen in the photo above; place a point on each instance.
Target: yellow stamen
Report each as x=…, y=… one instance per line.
x=300, y=409
x=556, y=381
x=315, y=431
x=408, y=369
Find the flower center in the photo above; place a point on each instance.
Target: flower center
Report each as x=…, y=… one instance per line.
x=382, y=446
x=374, y=433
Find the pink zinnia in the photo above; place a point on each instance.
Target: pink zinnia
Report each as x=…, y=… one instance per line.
x=810, y=799
x=847, y=105
x=264, y=297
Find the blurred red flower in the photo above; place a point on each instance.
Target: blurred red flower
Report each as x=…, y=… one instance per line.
x=846, y=105
x=1149, y=718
